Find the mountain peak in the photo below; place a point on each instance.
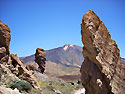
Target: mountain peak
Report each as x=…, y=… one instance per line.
x=66, y=46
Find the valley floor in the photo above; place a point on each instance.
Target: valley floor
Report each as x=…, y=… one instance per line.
x=55, y=85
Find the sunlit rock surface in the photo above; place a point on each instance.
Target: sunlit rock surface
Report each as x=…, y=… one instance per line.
x=101, y=71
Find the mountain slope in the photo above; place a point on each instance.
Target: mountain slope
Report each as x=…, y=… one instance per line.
x=67, y=55
x=123, y=60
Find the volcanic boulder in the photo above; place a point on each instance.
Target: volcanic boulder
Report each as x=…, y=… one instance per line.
x=101, y=71
x=40, y=59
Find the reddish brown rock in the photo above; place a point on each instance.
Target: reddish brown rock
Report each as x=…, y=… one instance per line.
x=4, y=42
x=17, y=67
x=40, y=59
x=101, y=71
x=4, y=36
x=10, y=62
x=1, y=92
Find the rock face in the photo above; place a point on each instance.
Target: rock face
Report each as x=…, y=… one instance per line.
x=40, y=59
x=4, y=42
x=4, y=36
x=101, y=71
x=17, y=67
x=10, y=63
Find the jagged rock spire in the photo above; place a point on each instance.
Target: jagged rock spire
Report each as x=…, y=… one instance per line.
x=101, y=67
x=40, y=59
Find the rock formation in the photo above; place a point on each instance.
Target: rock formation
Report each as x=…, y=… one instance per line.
x=40, y=59
x=4, y=36
x=4, y=42
x=101, y=71
x=10, y=63
x=17, y=67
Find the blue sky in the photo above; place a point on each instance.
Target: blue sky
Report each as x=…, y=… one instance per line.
x=52, y=23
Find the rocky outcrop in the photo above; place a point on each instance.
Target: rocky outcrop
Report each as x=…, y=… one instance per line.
x=101, y=71
x=6, y=76
x=4, y=90
x=10, y=63
x=40, y=59
x=4, y=42
x=4, y=36
x=17, y=67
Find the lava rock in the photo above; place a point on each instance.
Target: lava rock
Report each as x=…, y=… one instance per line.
x=101, y=70
x=40, y=59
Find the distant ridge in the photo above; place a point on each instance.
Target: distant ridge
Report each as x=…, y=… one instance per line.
x=67, y=55
x=123, y=60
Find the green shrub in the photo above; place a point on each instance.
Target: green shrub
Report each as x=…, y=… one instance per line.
x=21, y=85
x=62, y=84
x=33, y=72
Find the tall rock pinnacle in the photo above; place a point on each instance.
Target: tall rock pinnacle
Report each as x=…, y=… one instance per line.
x=4, y=41
x=101, y=71
x=40, y=59
x=4, y=36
